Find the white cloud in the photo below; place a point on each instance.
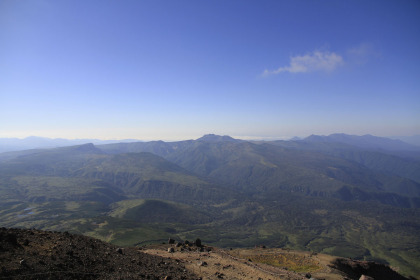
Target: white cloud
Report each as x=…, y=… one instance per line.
x=362, y=53
x=315, y=61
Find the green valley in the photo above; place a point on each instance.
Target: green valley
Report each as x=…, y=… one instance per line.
x=323, y=197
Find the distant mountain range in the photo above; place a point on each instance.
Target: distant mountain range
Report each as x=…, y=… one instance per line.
x=352, y=196
x=413, y=140
x=34, y=142
x=366, y=141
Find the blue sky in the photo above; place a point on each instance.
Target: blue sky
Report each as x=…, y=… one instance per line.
x=176, y=70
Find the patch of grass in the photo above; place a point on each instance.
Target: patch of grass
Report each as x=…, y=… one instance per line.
x=294, y=262
x=120, y=208
x=71, y=205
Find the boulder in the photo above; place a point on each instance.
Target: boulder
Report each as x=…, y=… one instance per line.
x=198, y=242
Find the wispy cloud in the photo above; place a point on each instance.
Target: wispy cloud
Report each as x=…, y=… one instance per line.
x=361, y=50
x=362, y=53
x=315, y=61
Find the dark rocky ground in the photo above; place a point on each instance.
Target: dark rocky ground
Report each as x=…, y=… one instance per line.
x=354, y=269
x=35, y=254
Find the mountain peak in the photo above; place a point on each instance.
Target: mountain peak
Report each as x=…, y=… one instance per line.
x=365, y=141
x=217, y=138
x=84, y=148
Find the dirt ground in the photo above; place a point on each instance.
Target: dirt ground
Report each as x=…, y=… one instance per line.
x=216, y=263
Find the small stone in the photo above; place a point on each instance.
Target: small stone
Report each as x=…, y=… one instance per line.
x=365, y=277
x=119, y=250
x=219, y=275
x=226, y=266
x=171, y=250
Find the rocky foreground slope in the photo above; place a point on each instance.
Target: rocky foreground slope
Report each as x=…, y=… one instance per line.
x=36, y=254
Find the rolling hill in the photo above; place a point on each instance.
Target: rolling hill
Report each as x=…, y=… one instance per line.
x=324, y=196
x=320, y=169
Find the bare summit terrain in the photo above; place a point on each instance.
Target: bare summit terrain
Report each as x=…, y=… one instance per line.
x=36, y=254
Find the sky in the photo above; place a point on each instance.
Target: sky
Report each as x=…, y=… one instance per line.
x=176, y=70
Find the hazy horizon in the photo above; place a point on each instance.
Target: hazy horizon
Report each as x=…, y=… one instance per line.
x=242, y=137
x=177, y=70
x=250, y=138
